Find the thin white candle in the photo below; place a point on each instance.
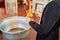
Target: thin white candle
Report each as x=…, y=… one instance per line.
x=11, y=7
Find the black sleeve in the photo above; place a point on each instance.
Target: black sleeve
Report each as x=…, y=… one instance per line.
x=49, y=19
x=37, y=27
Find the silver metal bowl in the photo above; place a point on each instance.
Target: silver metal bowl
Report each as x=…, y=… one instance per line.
x=19, y=22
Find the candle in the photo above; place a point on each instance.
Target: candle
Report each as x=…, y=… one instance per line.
x=11, y=7
x=29, y=12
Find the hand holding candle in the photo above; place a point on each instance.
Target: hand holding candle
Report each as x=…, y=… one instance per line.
x=36, y=18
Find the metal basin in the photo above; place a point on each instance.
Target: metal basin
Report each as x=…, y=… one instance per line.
x=19, y=22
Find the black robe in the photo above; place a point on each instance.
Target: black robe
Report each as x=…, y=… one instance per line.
x=48, y=29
